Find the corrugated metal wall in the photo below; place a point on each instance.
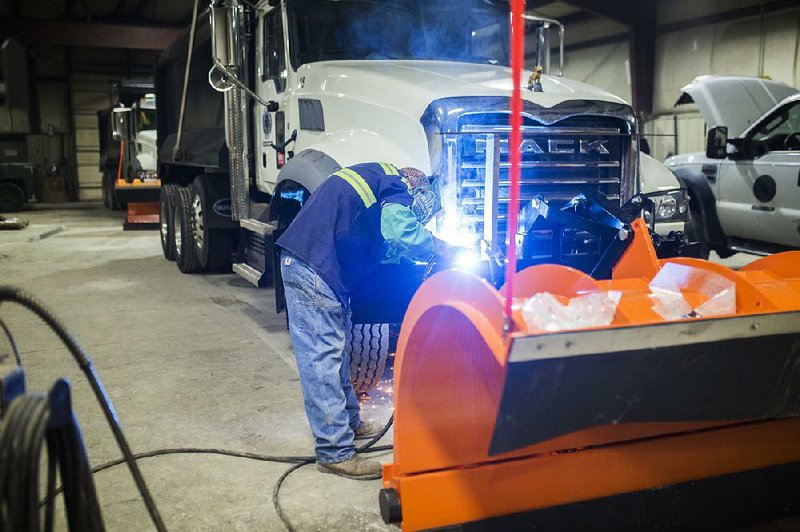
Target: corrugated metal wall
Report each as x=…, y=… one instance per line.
x=748, y=46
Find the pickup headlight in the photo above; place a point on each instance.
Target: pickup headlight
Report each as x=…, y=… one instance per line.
x=670, y=206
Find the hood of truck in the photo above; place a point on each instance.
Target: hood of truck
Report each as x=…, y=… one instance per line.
x=410, y=86
x=734, y=101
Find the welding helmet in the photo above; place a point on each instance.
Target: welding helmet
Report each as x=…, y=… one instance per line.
x=426, y=201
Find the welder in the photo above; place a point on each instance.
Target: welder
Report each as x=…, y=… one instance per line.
x=359, y=217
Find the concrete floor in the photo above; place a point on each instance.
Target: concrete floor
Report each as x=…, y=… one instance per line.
x=189, y=361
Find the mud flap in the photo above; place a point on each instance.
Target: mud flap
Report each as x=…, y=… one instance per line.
x=726, y=369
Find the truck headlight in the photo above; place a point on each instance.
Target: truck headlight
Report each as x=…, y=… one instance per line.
x=670, y=206
x=667, y=208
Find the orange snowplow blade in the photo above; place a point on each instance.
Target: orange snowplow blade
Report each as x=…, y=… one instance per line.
x=490, y=424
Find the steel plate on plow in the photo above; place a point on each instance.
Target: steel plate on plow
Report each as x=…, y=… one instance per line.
x=738, y=368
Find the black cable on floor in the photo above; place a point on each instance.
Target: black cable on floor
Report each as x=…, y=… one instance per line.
x=11, y=341
x=296, y=459
x=366, y=448
x=18, y=296
x=277, y=489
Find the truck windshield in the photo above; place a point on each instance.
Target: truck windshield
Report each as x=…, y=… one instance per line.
x=474, y=31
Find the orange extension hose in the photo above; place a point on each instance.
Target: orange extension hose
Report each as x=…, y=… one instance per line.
x=121, y=151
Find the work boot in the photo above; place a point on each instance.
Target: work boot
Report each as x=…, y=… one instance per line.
x=367, y=430
x=357, y=468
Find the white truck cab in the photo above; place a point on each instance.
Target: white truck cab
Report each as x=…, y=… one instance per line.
x=145, y=134
x=427, y=85
x=311, y=87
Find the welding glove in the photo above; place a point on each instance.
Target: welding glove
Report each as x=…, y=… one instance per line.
x=425, y=204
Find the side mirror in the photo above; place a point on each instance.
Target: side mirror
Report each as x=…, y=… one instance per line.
x=120, y=118
x=717, y=142
x=14, y=57
x=223, y=48
x=219, y=80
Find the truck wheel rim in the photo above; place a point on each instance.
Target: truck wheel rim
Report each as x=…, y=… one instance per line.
x=163, y=216
x=176, y=223
x=199, y=224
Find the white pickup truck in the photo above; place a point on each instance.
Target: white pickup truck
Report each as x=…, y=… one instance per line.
x=745, y=190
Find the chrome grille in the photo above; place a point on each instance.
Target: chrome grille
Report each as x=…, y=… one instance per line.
x=578, y=154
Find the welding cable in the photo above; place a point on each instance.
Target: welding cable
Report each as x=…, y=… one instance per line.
x=281, y=459
x=27, y=424
x=298, y=461
x=11, y=342
x=18, y=296
x=21, y=439
x=366, y=448
x=276, y=490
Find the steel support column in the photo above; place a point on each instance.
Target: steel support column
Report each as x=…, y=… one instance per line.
x=643, y=55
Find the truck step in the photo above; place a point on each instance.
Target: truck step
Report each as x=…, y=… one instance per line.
x=252, y=275
x=258, y=227
x=258, y=255
x=761, y=249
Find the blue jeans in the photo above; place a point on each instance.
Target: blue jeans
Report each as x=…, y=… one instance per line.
x=317, y=321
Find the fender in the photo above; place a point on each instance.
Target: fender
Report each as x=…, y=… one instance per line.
x=308, y=169
x=699, y=189
x=311, y=166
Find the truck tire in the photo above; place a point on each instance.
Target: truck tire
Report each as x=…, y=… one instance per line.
x=214, y=246
x=696, y=232
x=183, y=229
x=367, y=345
x=12, y=198
x=166, y=207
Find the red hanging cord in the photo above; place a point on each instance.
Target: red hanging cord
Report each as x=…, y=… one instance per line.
x=517, y=64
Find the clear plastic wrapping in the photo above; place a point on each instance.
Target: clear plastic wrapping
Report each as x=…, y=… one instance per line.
x=718, y=292
x=545, y=312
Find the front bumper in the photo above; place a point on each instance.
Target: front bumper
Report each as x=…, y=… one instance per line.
x=665, y=228
x=670, y=240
